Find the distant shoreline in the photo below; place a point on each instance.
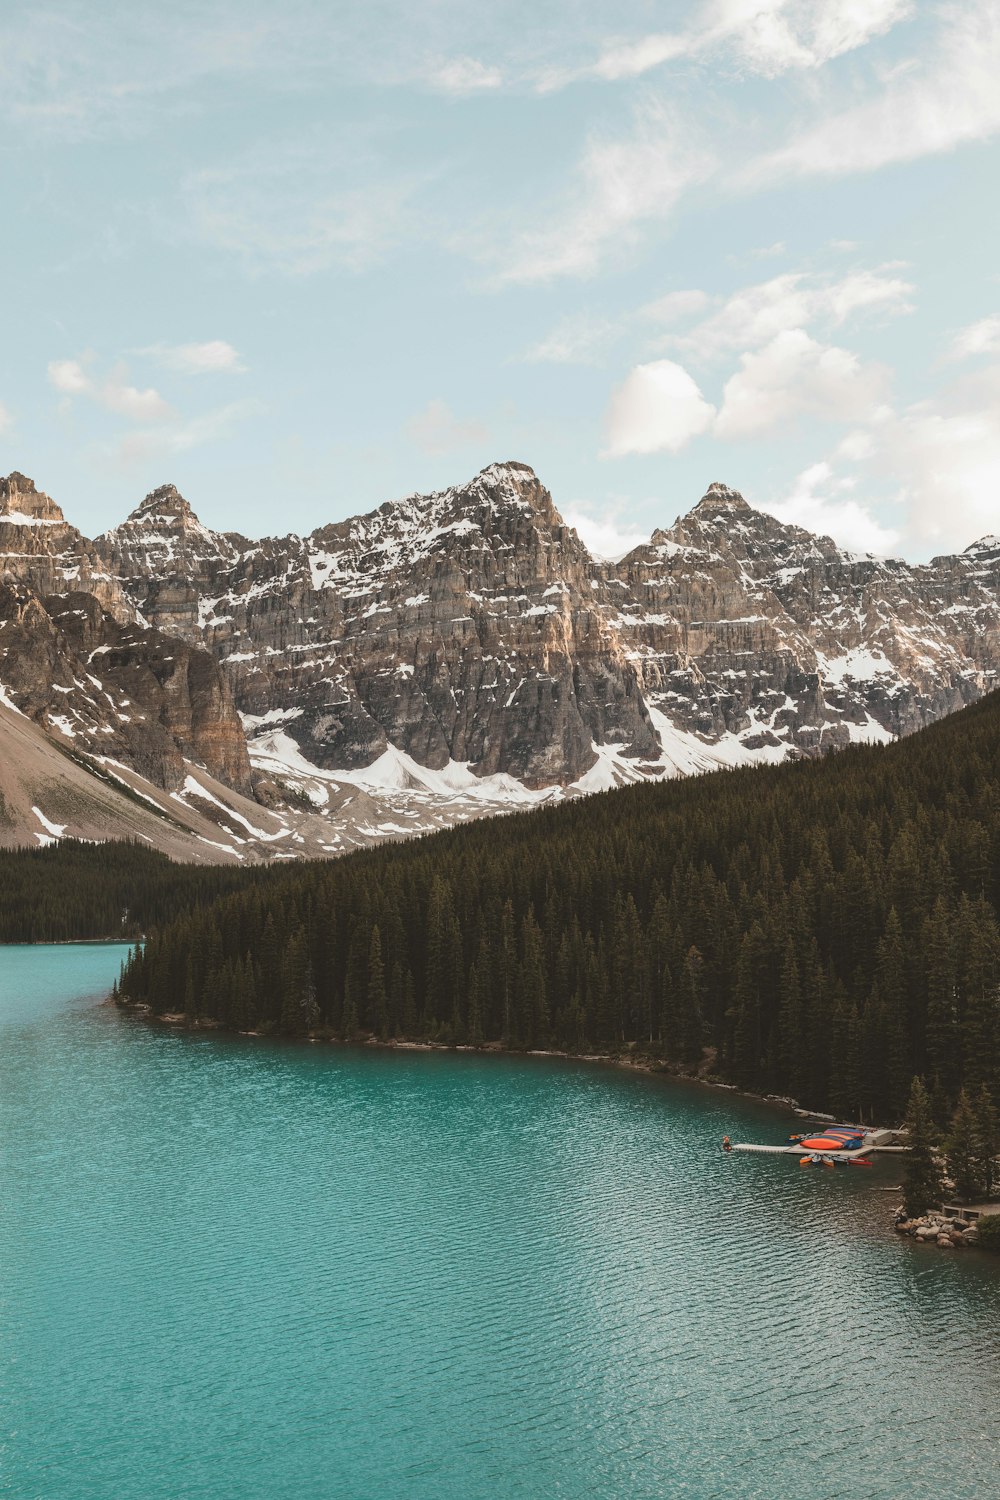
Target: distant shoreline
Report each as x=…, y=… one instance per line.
x=634, y=1062
x=104, y=942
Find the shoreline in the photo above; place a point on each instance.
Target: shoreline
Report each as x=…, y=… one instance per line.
x=630, y=1062
x=104, y=942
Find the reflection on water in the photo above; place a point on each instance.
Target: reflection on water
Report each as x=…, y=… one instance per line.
x=235, y=1269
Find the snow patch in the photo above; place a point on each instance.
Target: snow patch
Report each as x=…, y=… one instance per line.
x=859, y=665
x=55, y=830
x=18, y=518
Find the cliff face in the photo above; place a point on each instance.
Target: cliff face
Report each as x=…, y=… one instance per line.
x=745, y=626
x=121, y=691
x=466, y=626
x=474, y=626
x=466, y=642
x=39, y=548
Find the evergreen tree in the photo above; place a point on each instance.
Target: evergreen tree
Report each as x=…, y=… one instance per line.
x=987, y=1140
x=378, y=1000
x=922, y=1172
x=962, y=1150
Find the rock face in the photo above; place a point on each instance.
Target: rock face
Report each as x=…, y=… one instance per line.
x=466, y=626
x=39, y=548
x=748, y=627
x=473, y=627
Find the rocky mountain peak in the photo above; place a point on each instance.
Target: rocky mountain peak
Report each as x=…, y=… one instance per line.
x=21, y=500
x=498, y=484
x=988, y=543
x=165, y=506
x=720, y=496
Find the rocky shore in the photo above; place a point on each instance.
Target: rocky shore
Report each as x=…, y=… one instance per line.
x=934, y=1228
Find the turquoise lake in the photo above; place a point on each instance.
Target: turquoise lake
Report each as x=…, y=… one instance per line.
x=234, y=1269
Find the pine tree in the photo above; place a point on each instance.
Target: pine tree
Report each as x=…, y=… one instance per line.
x=691, y=1008
x=987, y=1139
x=922, y=1173
x=295, y=986
x=378, y=1000
x=962, y=1153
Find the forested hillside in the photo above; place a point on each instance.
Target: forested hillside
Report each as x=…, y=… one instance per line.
x=77, y=892
x=824, y=929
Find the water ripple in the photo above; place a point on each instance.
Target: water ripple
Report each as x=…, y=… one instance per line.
x=237, y=1270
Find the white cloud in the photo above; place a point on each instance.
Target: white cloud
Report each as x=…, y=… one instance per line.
x=621, y=183
x=658, y=408
x=933, y=469
x=768, y=37
x=821, y=502
x=605, y=536
x=630, y=59
x=770, y=252
x=755, y=314
x=792, y=375
x=782, y=35
x=436, y=429
x=213, y=357
x=464, y=75
x=583, y=339
x=113, y=393
x=948, y=97
x=67, y=375
x=159, y=429
x=579, y=340
x=675, y=307
x=183, y=434
x=943, y=457
x=979, y=338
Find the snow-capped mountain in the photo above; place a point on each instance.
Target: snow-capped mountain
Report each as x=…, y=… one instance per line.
x=463, y=652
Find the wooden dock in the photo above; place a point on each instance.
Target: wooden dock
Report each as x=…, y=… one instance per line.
x=970, y=1211
x=874, y=1140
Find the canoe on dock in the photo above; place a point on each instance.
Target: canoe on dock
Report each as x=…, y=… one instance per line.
x=843, y=1143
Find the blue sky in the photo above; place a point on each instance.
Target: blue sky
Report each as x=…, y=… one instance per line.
x=301, y=259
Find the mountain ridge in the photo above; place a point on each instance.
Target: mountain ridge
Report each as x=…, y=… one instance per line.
x=465, y=647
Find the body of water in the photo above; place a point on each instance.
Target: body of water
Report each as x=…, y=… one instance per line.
x=233, y=1269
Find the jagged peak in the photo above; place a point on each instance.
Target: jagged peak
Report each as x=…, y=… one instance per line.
x=20, y=498
x=165, y=510
x=500, y=481
x=506, y=469
x=721, y=496
x=988, y=543
x=165, y=500
x=517, y=479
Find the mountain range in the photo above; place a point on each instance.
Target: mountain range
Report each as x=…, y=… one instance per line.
x=443, y=656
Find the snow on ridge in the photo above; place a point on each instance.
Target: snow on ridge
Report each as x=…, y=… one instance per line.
x=253, y=723
x=20, y=518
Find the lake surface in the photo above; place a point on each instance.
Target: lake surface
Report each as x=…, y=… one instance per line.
x=238, y=1269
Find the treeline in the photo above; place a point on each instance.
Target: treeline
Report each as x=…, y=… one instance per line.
x=75, y=891
x=825, y=929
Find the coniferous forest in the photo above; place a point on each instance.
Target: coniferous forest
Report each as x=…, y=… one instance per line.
x=75, y=892
x=823, y=929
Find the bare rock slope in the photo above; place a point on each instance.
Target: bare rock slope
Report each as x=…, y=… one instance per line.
x=461, y=652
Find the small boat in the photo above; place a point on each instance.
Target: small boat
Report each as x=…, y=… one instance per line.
x=837, y=1138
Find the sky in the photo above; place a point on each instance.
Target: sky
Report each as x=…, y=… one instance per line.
x=303, y=258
